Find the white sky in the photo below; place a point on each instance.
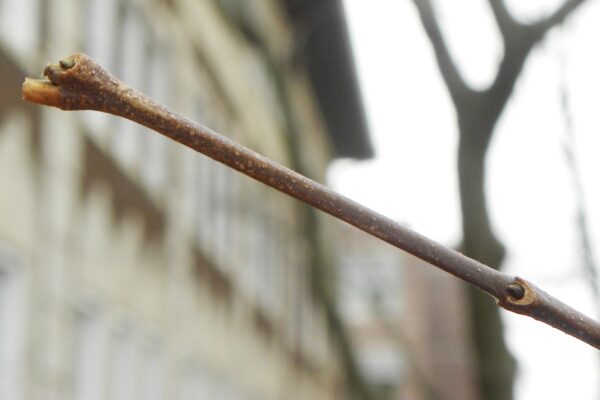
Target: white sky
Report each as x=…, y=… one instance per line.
x=530, y=193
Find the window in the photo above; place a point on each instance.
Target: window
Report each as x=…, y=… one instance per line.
x=294, y=284
x=220, y=204
x=152, y=374
x=12, y=320
x=100, y=42
x=123, y=364
x=195, y=384
x=154, y=168
x=100, y=28
x=298, y=293
x=188, y=174
x=230, y=215
x=259, y=247
x=132, y=51
x=223, y=390
x=307, y=325
x=369, y=278
x=203, y=187
x=267, y=282
x=204, y=194
x=271, y=253
x=89, y=355
x=246, y=221
x=381, y=362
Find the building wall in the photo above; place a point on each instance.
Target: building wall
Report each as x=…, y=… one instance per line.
x=131, y=267
x=437, y=333
x=370, y=291
x=406, y=319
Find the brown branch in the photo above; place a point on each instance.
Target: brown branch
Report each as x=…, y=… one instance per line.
x=40, y=91
x=452, y=77
x=78, y=83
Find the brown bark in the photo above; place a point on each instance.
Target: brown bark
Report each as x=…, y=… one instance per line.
x=84, y=85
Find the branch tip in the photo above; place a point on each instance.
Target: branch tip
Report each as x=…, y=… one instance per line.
x=41, y=91
x=78, y=83
x=75, y=82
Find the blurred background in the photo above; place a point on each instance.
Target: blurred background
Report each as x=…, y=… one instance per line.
x=134, y=268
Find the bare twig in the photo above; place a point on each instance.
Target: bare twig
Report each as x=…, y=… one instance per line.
x=78, y=83
x=588, y=263
x=559, y=15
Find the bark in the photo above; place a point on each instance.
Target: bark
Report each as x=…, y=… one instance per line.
x=78, y=83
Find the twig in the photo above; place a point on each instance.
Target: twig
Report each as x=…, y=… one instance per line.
x=78, y=83
x=589, y=264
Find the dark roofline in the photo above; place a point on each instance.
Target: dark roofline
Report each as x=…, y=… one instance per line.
x=323, y=45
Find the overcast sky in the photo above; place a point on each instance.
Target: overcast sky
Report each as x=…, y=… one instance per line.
x=530, y=192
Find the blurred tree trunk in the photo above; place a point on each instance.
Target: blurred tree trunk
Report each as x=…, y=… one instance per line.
x=477, y=113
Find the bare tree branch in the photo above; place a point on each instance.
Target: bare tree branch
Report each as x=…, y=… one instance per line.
x=78, y=83
x=558, y=17
x=504, y=20
x=452, y=77
x=519, y=39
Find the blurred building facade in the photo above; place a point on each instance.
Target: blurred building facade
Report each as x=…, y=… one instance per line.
x=132, y=267
x=437, y=335
x=407, y=321
x=370, y=293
